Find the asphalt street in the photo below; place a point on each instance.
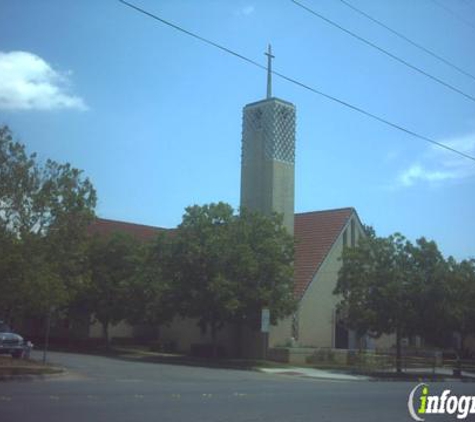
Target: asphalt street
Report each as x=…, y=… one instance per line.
x=108, y=389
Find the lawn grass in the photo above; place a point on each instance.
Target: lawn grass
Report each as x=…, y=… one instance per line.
x=13, y=367
x=144, y=354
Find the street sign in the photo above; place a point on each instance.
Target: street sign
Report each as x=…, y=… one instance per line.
x=265, y=320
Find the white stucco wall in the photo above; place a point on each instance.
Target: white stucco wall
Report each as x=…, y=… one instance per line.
x=317, y=307
x=122, y=329
x=281, y=333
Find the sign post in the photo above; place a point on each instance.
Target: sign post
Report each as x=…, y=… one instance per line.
x=47, y=333
x=265, y=322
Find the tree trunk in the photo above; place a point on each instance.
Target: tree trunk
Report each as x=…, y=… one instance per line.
x=239, y=339
x=214, y=345
x=105, y=334
x=398, y=351
x=457, y=371
x=8, y=316
x=463, y=336
x=69, y=336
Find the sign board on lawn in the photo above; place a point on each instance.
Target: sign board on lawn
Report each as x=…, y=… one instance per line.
x=265, y=320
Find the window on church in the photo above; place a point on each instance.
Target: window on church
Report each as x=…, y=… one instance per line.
x=295, y=326
x=353, y=233
x=345, y=238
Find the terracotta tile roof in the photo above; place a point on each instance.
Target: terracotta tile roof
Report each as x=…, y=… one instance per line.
x=103, y=226
x=315, y=233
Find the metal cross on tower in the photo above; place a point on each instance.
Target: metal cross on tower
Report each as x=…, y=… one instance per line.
x=269, y=71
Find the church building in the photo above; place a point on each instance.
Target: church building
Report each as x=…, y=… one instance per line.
x=268, y=185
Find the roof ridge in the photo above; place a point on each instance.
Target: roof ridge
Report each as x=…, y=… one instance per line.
x=316, y=233
x=131, y=224
x=330, y=210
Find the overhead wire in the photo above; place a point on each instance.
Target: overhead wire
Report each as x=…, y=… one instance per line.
x=298, y=83
x=386, y=52
x=467, y=2
x=454, y=14
x=407, y=39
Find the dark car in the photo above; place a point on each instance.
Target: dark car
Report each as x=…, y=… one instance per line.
x=11, y=343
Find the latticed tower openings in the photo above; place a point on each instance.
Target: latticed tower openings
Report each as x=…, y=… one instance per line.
x=268, y=155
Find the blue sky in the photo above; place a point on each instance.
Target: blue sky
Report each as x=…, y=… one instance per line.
x=153, y=117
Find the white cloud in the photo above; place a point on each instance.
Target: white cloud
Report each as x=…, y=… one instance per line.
x=248, y=10
x=27, y=82
x=438, y=165
x=417, y=173
x=245, y=11
x=392, y=155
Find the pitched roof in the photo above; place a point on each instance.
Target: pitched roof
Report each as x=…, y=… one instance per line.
x=315, y=233
x=102, y=226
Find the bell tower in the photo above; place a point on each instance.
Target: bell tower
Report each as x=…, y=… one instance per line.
x=268, y=155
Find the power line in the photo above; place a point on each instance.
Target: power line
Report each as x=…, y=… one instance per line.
x=382, y=50
x=455, y=15
x=374, y=116
x=467, y=2
x=402, y=36
x=298, y=83
x=198, y=37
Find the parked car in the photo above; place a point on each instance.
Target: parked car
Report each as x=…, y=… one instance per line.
x=13, y=344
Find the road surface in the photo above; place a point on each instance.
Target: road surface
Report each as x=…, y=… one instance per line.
x=107, y=389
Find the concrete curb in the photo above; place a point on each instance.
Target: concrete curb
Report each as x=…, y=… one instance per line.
x=326, y=375
x=31, y=377
x=316, y=374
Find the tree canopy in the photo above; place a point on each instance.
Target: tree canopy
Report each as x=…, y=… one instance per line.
x=219, y=267
x=390, y=285
x=44, y=213
x=113, y=262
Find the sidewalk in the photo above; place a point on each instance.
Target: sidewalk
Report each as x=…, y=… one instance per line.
x=447, y=372
x=316, y=373
x=440, y=374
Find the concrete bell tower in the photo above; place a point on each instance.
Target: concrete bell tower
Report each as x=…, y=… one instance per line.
x=268, y=155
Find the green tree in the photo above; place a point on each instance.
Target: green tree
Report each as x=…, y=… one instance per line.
x=204, y=290
x=375, y=286
x=431, y=296
x=261, y=263
x=225, y=268
x=151, y=294
x=44, y=212
x=11, y=280
x=462, y=294
x=113, y=262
